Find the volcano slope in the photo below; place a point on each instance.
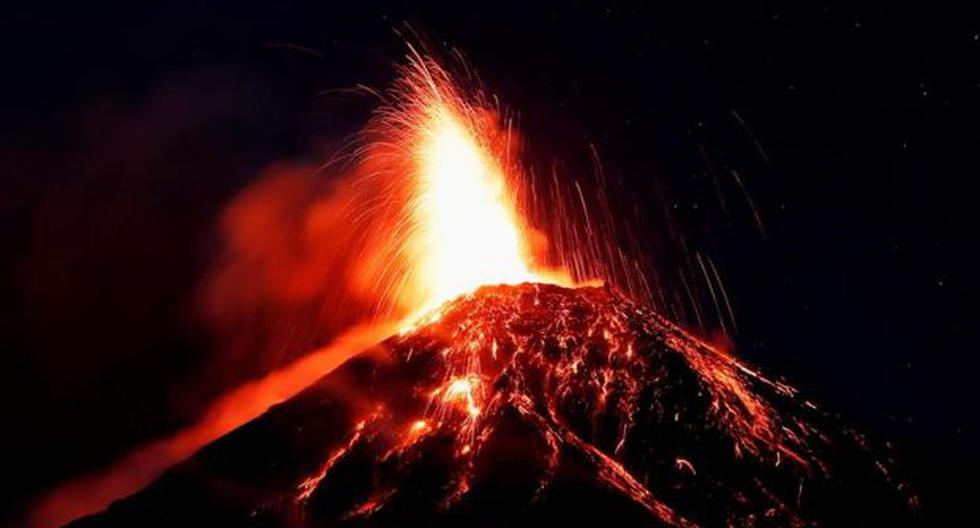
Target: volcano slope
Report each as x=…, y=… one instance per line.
x=532, y=405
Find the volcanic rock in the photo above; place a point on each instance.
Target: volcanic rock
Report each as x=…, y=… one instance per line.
x=532, y=405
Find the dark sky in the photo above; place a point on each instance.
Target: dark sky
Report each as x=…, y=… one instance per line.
x=854, y=131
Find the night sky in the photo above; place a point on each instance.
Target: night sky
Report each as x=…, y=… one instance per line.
x=853, y=132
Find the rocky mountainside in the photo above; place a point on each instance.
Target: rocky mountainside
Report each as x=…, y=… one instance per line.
x=533, y=405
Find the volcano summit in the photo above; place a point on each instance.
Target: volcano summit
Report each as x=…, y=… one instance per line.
x=531, y=405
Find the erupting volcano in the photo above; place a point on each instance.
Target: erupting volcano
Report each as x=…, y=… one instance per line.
x=519, y=392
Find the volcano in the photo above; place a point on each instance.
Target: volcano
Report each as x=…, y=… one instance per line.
x=531, y=405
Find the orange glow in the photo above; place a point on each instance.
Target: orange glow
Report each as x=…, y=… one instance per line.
x=468, y=234
x=138, y=468
x=578, y=366
x=461, y=390
x=446, y=186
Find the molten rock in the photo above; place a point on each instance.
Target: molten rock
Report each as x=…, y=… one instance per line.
x=532, y=405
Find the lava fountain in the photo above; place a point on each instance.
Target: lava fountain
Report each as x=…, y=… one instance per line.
x=437, y=195
x=468, y=234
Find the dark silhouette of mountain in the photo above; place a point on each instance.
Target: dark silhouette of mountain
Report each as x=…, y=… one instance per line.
x=533, y=405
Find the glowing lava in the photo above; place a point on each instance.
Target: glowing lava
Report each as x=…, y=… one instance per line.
x=439, y=176
x=469, y=234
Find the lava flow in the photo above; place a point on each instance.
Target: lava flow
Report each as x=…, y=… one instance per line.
x=514, y=394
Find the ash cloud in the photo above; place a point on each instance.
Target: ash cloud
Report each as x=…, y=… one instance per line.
x=110, y=214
